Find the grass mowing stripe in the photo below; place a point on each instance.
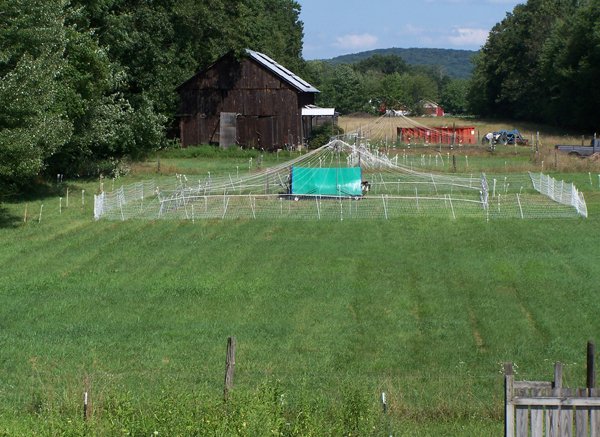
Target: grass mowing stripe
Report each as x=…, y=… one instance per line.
x=377, y=306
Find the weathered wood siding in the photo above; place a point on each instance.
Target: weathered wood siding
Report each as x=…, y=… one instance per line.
x=547, y=409
x=269, y=109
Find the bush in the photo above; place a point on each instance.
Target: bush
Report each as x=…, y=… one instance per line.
x=321, y=135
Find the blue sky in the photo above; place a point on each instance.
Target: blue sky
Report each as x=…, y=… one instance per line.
x=337, y=27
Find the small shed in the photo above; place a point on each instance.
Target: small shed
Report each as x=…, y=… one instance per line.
x=313, y=116
x=250, y=101
x=455, y=135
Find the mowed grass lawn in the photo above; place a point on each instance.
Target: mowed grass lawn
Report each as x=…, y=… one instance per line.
x=330, y=313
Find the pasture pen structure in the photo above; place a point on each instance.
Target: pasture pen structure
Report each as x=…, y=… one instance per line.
x=390, y=188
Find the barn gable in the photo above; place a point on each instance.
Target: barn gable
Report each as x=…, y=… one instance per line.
x=250, y=102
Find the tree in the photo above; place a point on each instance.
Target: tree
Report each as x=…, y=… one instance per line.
x=454, y=96
x=342, y=89
x=416, y=89
x=85, y=81
x=570, y=64
x=540, y=63
x=33, y=124
x=386, y=64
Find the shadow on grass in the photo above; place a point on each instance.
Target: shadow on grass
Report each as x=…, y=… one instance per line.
x=8, y=219
x=35, y=192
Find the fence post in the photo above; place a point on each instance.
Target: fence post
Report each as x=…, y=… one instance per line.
x=229, y=366
x=591, y=368
x=509, y=409
x=554, y=412
x=86, y=390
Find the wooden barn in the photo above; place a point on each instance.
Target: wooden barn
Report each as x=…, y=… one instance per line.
x=249, y=102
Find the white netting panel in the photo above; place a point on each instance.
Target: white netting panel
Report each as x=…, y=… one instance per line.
x=559, y=191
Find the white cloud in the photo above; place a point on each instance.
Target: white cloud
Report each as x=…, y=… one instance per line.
x=411, y=29
x=464, y=36
x=354, y=41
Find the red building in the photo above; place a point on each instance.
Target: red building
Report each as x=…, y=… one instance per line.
x=456, y=135
x=432, y=109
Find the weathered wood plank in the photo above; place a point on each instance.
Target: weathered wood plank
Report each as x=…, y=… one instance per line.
x=537, y=422
x=581, y=422
x=566, y=422
x=555, y=430
x=522, y=418
x=591, y=368
x=537, y=416
x=557, y=401
x=532, y=385
x=554, y=421
x=594, y=422
x=509, y=409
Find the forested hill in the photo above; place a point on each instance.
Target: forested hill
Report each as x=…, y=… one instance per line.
x=455, y=63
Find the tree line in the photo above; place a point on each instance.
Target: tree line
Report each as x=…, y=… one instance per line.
x=84, y=83
x=542, y=63
x=383, y=82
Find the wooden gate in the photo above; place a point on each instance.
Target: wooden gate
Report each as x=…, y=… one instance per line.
x=547, y=409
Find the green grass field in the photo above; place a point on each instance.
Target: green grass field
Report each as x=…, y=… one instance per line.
x=327, y=315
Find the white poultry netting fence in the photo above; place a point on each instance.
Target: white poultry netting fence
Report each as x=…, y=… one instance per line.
x=390, y=189
x=559, y=191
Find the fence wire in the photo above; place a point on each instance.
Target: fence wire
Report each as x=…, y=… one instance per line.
x=559, y=191
x=390, y=190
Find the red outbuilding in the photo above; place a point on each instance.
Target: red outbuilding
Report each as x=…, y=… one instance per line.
x=456, y=135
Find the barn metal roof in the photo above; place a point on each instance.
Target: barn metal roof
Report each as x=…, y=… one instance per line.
x=285, y=74
x=316, y=110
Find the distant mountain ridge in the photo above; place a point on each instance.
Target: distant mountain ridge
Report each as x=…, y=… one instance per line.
x=455, y=63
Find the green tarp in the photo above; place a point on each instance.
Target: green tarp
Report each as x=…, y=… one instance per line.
x=343, y=181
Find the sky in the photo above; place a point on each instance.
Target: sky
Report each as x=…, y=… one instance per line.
x=338, y=27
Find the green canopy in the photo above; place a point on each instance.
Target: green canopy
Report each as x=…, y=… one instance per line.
x=343, y=181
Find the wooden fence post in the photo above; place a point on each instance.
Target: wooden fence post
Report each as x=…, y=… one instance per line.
x=229, y=366
x=553, y=413
x=509, y=409
x=591, y=368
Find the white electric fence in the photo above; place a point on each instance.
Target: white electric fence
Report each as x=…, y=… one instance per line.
x=559, y=191
x=391, y=189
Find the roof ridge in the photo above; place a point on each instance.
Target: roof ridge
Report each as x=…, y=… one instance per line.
x=285, y=74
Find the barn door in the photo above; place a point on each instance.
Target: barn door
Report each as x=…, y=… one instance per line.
x=267, y=132
x=258, y=132
x=227, y=129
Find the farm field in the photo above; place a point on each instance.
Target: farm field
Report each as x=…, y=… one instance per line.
x=385, y=127
x=327, y=316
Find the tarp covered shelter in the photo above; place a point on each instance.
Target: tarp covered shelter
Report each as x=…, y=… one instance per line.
x=342, y=181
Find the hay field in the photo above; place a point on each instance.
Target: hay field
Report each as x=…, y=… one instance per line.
x=385, y=127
